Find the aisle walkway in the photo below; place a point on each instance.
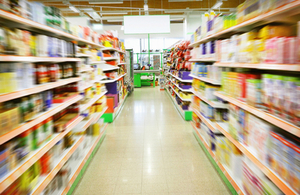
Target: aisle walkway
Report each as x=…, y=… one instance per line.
x=150, y=149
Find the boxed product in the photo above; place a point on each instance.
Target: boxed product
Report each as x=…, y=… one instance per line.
x=254, y=92
x=267, y=92
x=278, y=95
x=291, y=99
x=259, y=136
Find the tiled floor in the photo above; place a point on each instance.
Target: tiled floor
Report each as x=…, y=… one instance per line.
x=150, y=149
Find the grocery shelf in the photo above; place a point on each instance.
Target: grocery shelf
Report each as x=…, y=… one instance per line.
x=110, y=58
x=91, y=102
x=84, y=124
x=24, y=23
x=14, y=58
x=285, y=125
x=119, y=108
x=206, y=121
x=186, y=114
x=83, y=55
x=185, y=90
x=186, y=100
x=214, y=104
x=262, y=66
x=207, y=80
x=182, y=80
x=202, y=60
x=34, y=156
x=273, y=15
x=107, y=67
x=112, y=49
x=84, y=162
x=36, y=89
x=58, y=164
x=122, y=63
x=282, y=185
x=86, y=69
x=98, y=62
x=113, y=80
x=234, y=184
x=38, y=119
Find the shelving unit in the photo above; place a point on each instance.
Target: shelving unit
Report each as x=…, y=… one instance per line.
x=286, y=189
x=98, y=62
x=36, y=89
x=185, y=90
x=181, y=80
x=285, y=67
x=24, y=23
x=186, y=114
x=281, y=14
x=38, y=119
x=121, y=94
x=279, y=122
x=202, y=60
x=207, y=80
x=113, y=49
x=214, y=104
x=234, y=186
x=206, y=121
x=82, y=165
x=113, y=80
x=45, y=180
x=34, y=156
x=275, y=14
x=33, y=59
x=187, y=100
x=11, y=20
x=92, y=101
x=110, y=58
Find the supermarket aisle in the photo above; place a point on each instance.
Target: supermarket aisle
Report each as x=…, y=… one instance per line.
x=150, y=149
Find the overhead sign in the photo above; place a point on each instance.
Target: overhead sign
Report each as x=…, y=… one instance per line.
x=147, y=24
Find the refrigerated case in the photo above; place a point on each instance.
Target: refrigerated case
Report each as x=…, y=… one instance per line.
x=129, y=66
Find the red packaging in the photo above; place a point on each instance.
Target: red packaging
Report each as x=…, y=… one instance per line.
x=241, y=95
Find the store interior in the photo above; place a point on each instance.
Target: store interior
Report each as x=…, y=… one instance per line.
x=150, y=97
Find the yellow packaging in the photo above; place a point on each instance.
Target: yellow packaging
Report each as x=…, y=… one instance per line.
x=269, y=32
x=5, y=124
x=240, y=13
x=96, y=129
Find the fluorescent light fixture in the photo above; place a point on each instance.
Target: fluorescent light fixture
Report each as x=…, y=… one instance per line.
x=217, y=5
x=114, y=20
x=146, y=7
x=113, y=13
x=105, y=2
x=87, y=9
x=74, y=9
x=176, y=19
x=94, y=15
x=122, y=27
x=182, y=0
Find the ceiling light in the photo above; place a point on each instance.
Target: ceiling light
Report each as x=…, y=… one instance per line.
x=176, y=19
x=113, y=13
x=122, y=27
x=217, y=5
x=146, y=7
x=114, y=20
x=74, y=9
x=94, y=15
x=105, y=2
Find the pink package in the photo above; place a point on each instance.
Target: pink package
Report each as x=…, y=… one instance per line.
x=290, y=50
x=274, y=50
